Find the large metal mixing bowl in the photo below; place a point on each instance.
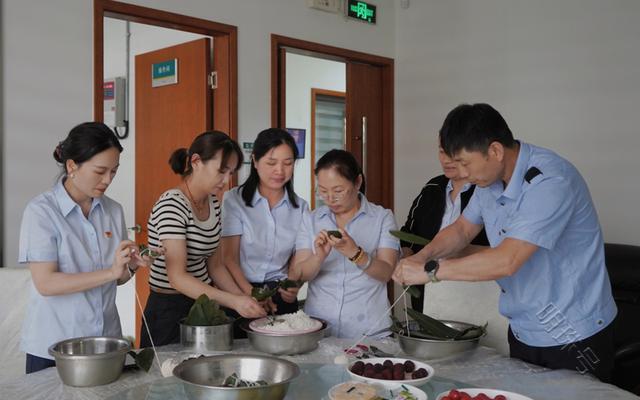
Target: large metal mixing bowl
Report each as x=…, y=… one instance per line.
x=431, y=349
x=202, y=377
x=285, y=344
x=90, y=361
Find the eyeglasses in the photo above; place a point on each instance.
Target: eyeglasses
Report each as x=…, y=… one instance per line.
x=330, y=197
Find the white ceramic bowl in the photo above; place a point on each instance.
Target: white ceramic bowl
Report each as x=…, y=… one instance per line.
x=384, y=392
x=489, y=392
x=392, y=383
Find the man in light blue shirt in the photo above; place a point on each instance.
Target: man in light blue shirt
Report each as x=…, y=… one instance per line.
x=547, y=251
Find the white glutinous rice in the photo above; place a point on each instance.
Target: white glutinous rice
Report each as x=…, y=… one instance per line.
x=297, y=321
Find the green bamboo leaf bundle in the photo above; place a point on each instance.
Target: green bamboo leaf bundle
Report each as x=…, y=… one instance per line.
x=206, y=312
x=410, y=237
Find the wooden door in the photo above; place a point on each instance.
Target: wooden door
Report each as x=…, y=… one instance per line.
x=167, y=117
x=364, y=124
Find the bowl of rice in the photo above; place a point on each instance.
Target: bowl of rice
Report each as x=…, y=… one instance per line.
x=287, y=334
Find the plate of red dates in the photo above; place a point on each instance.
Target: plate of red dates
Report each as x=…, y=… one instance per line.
x=390, y=372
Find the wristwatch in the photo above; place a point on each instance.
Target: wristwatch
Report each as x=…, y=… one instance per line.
x=431, y=268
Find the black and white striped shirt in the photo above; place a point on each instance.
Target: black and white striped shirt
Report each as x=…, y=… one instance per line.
x=172, y=218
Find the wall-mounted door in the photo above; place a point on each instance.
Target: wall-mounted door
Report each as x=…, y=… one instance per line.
x=369, y=107
x=222, y=102
x=167, y=117
x=364, y=125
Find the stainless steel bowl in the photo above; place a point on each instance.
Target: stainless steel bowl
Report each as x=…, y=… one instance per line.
x=431, y=349
x=285, y=344
x=202, y=339
x=90, y=361
x=202, y=377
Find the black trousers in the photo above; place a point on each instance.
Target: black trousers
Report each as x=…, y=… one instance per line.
x=163, y=314
x=35, y=363
x=593, y=355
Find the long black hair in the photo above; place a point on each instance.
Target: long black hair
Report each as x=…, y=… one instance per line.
x=83, y=142
x=268, y=139
x=206, y=145
x=344, y=163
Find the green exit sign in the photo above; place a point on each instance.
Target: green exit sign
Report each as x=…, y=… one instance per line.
x=361, y=11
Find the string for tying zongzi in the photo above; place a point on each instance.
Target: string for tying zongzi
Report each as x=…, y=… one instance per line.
x=375, y=324
x=146, y=326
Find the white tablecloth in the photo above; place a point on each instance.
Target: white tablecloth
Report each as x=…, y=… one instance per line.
x=482, y=367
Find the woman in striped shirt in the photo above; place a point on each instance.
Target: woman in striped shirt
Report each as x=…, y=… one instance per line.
x=186, y=222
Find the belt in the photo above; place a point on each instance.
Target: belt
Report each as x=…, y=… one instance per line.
x=164, y=291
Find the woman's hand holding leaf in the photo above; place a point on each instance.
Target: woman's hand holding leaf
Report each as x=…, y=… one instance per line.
x=248, y=307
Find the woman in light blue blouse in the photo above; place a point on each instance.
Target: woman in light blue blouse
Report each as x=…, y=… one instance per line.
x=74, y=240
x=260, y=219
x=347, y=273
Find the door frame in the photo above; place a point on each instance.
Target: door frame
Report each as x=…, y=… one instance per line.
x=280, y=44
x=225, y=56
x=314, y=94
x=224, y=113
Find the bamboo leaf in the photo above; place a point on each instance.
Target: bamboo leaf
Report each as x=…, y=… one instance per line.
x=205, y=312
x=263, y=293
x=432, y=326
x=289, y=283
x=410, y=237
x=143, y=359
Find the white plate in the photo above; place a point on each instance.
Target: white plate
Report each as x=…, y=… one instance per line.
x=262, y=326
x=384, y=392
x=489, y=392
x=392, y=384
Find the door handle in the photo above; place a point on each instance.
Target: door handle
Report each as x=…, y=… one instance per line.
x=364, y=144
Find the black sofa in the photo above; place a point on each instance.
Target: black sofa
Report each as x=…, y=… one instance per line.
x=623, y=264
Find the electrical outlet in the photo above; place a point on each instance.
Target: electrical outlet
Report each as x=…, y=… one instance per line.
x=332, y=6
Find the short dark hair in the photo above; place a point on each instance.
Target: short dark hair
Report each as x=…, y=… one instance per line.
x=345, y=165
x=83, y=142
x=268, y=139
x=473, y=127
x=206, y=145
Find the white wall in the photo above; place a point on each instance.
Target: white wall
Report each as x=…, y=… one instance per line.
x=303, y=74
x=562, y=73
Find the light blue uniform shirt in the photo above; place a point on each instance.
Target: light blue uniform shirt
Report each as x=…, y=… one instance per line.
x=55, y=230
x=562, y=294
x=268, y=236
x=349, y=299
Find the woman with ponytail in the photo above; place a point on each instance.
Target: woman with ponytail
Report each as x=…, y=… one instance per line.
x=74, y=240
x=186, y=223
x=346, y=251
